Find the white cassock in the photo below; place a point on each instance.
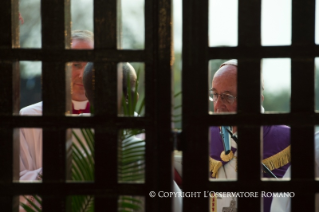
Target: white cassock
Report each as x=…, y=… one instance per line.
x=31, y=146
x=31, y=143
x=283, y=204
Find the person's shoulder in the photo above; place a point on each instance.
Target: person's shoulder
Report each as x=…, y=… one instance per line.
x=214, y=129
x=276, y=136
x=34, y=109
x=276, y=130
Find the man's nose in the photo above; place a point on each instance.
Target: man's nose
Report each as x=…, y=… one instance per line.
x=218, y=102
x=81, y=73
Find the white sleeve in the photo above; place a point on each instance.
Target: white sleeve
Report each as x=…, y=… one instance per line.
x=30, y=145
x=26, y=165
x=281, y=204
x=30, y=153
x=177, y=201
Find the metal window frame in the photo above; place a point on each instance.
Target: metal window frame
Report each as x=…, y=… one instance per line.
x=157, y=57
x=249, y=53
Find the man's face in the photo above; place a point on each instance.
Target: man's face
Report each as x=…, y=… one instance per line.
x=225, y=82
x=78, y=92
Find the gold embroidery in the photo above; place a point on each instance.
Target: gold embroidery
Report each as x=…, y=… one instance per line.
x=228, y=157
x=214, y=166
x=273, y=162
x=278, y=160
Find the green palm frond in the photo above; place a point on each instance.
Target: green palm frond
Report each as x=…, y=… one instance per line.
x=131, y=157
x=33, y=207
x=83, y=168
x=177, y=111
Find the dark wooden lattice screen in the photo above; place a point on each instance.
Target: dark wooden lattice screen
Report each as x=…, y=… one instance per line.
x=53, y=54
x=249, y=53
x=157, y=58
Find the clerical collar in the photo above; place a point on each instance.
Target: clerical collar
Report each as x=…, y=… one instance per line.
x=79, y=105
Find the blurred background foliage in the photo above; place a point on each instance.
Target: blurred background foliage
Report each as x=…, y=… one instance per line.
x=132, y=37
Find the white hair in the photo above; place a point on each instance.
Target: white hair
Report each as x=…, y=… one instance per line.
x=234, y=62
x=82, y=35
x=229, y=62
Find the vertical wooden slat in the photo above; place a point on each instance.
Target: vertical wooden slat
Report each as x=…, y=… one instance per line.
x=8, y=147
x=249, y=163
x=151, y=175
x=5, y=23
x=302, y=152
x=6, y=90
x=249, y=21
x=163, y=76
x=67, y=44
x=105, y=23
x=195, y=95
x=302, y=85
x=106, y=136
x=119, y=24
x=15, y=64
x=53, y=95
x=10, y=99
x=106, y=166
x=248, y=93
x=68, y=102
x=53, y=37
x=302, y=101
x=303, y=22
x=54, y=166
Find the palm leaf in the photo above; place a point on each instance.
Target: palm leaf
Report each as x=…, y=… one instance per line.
x=34, y=207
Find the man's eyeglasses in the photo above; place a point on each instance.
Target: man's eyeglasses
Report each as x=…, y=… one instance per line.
x=225, y=97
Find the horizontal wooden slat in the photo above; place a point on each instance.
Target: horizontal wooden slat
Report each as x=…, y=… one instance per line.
x=244, y=52
x=304, y=119
x=140, y=189
x=67, y=55
x=72, y=188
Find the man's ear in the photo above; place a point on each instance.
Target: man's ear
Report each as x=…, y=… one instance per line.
x=262, y=98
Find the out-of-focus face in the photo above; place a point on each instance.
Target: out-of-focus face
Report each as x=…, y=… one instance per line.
x=78, y=92
x=225, y=82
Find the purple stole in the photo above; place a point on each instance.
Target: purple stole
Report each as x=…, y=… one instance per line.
x=86, y=110
x=275, y=139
